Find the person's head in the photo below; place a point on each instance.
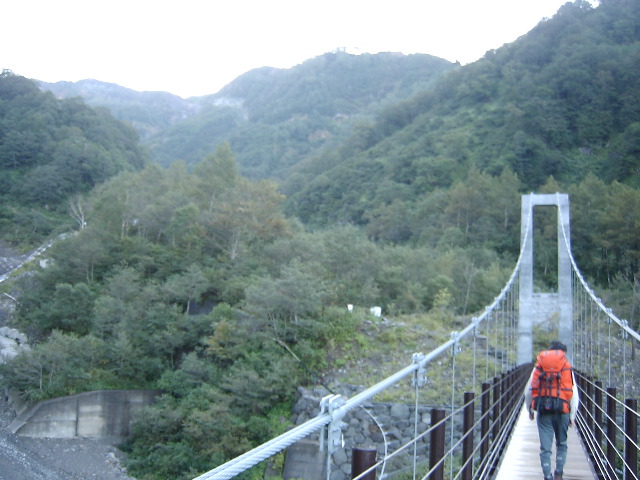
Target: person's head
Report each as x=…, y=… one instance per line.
x=558, y=345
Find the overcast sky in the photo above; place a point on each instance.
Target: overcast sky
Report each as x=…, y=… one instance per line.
x=195, y=47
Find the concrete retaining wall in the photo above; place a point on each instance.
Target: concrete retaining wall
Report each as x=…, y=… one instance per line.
x=103, y=414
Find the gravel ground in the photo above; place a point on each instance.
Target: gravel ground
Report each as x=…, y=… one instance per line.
x=24, y=458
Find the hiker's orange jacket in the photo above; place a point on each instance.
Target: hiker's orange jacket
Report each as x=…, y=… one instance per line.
x=553, y=362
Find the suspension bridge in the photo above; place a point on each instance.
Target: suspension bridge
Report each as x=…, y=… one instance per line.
x=482, y=430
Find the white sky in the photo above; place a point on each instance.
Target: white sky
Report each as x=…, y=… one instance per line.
x=195, y=47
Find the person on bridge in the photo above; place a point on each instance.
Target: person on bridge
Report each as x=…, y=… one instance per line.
x=553, y=394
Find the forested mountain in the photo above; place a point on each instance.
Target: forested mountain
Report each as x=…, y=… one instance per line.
x=50, y=150
x=198, y=281
x=272, y=118
x=148, y=112
x=561, y=101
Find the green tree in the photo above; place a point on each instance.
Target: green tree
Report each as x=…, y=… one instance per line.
x=62, y=365
x=215, y=176
x=188, y=286
x=249, y=216
x=588, y=201
x=352, y=266
x=390, y=223
x=69, y=309
x=286, y=300
x=114, y=306
x=623, y=159
x=619, y=232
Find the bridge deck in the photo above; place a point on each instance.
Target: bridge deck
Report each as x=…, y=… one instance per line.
x=522, y=460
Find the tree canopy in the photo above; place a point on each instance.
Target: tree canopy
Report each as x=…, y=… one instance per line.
x=560, y=101
x=50, y=150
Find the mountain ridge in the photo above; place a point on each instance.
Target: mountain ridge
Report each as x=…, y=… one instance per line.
x=127, y=104
x=558, y=102
x=296, y=110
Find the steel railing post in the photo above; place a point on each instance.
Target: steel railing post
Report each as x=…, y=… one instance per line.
x=484, y=423
x=631, y=439
x=496, y=409
x=598, y=413
x=511, y=381
x=504, y=397
x=436, y=448
x=612, y=453
x=588, y=385
x=362, y=459
x=467, y=443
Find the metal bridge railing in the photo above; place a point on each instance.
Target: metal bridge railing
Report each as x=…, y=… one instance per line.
x=476, y=452
x=609, y=429
x=605, y=350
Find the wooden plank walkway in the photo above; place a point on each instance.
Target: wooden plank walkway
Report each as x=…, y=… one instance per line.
x=522, y=457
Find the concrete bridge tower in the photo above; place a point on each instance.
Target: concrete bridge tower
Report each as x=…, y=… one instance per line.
x=534, y=307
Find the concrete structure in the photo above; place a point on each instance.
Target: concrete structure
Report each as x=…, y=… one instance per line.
x=533, y=307
x=305, y=460
x=103, y=414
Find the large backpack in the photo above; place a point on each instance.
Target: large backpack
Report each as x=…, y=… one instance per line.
x=552, y=383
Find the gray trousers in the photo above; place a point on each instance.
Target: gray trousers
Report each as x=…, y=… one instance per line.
x=550, y=426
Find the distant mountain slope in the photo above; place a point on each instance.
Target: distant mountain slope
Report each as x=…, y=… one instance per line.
x=332, y=84
x=271, y=117
x=274, y=118
x=561, y=101
x=147, y=112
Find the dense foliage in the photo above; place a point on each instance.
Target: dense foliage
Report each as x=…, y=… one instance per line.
x=51, y=150
x=193, y=280
x=117, y=307
x=272, y=118
x=560, y=101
